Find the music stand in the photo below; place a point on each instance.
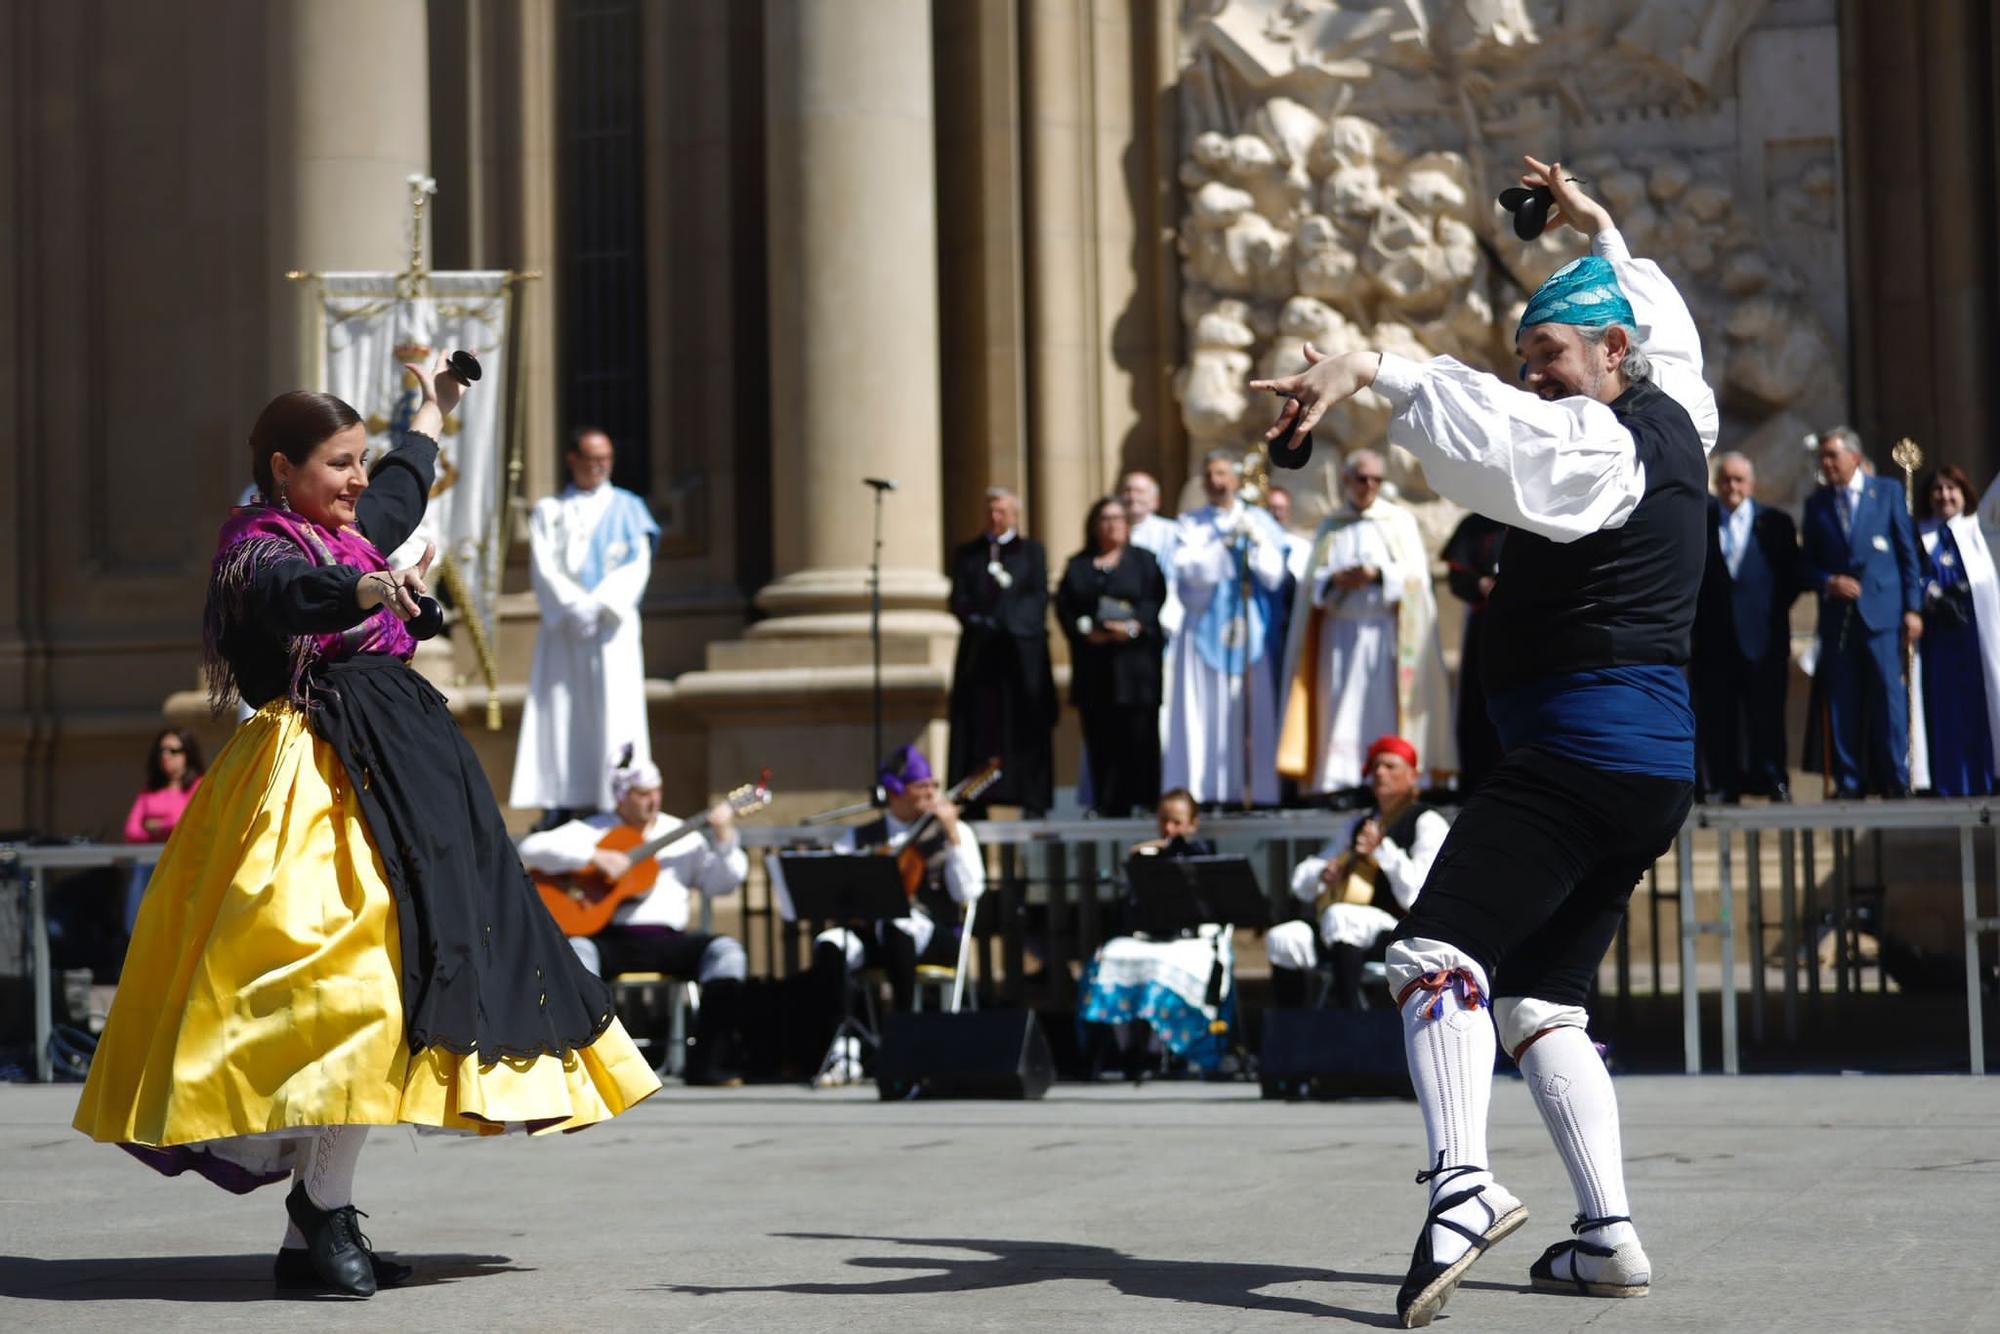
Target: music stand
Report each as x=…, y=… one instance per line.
x=1177, y=895
x=844, y=889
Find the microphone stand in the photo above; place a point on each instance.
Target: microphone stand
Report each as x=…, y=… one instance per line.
x=880, y=486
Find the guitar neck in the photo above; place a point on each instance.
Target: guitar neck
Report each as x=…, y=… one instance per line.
x=680, y=831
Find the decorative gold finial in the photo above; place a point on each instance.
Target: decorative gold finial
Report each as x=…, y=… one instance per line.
x=1909, y=458
x=413, y=283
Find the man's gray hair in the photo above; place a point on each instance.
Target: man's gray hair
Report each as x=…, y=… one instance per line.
x=1735, y=456
x=1229, y=456
x=1002, y=493
x=1354, y=459
x=1636, y=366
x=1845, y=436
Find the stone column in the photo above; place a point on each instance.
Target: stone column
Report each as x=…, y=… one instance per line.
x=853, y=373
x=350, y=120
x=854, y=336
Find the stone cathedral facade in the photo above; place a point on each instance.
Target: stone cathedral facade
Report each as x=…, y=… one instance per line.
x=784, y=245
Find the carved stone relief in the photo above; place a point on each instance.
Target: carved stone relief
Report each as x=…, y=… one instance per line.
x=1341, y=160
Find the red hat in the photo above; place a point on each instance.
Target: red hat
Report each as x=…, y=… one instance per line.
x=1393, y=745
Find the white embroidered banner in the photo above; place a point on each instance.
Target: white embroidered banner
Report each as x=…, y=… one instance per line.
x=369, y=329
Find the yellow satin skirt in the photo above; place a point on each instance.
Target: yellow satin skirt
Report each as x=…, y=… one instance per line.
x=262, y=994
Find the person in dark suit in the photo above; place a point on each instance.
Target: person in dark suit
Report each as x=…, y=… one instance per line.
x=1742, y=637
x=1860, y=553
x=1108, y=606
x=1003, y=693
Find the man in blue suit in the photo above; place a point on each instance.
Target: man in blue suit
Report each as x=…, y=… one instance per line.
x=1861, y=554
x=1742, y=638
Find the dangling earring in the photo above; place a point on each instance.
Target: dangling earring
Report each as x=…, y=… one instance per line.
x=284, y=496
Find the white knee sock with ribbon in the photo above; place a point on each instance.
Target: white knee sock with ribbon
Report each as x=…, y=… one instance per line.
x=1573, y=1092
x=1449, y=1040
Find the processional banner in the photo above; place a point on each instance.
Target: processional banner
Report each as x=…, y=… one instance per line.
x=370, y=326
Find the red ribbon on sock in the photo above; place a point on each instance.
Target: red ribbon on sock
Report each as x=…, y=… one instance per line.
x=1438, y=983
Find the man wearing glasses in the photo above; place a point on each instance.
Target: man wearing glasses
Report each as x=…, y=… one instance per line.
x=1365, y=608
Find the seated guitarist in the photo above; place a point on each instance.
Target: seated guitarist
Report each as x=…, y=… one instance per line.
x=955, y=876
x=1360, y=885
x=648, y=934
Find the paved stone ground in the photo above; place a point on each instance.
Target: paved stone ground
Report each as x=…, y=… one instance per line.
x=1861, y=1203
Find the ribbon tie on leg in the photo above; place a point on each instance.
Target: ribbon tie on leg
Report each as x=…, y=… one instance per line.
x=1438, y=983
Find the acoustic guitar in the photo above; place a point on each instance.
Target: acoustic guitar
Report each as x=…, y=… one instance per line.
x=913, y=859
x=582, y=902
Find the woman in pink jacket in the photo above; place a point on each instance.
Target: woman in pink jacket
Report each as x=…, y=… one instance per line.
x=173, y=771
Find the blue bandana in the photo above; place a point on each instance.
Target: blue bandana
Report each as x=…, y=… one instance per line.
x=1583, y=291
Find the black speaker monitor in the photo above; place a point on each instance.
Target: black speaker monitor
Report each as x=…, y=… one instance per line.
x=1334, y=1054
x=982, y=1054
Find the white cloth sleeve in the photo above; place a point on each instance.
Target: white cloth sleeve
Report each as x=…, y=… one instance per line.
x=1563, y=469
x=561, y=850
x=1267, y=552
x=965, y=869
x=556, y=593
x=702, y=866
x=1388, y=589
x=1202, y=564
x=1407, y=869
x=1305, y=876
x=620, y=591
x=1667, y=332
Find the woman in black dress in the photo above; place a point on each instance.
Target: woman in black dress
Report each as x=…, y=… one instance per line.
x=1109, y=607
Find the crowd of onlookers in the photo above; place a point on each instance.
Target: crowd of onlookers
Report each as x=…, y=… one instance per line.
x=1227, y=655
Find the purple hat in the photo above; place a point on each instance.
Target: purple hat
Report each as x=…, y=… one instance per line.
x=905, y=765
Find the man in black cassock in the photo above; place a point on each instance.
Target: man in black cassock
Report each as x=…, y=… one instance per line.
x=1472, y=556
x=1003, y=694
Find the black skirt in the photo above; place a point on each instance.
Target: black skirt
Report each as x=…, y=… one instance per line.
x=485, y=968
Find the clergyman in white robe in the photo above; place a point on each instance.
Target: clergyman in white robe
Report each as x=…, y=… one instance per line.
x=1223, y=640
x=1365, y=662
x=592, y=554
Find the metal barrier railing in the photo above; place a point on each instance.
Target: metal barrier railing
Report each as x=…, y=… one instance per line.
x=1796, y=826
x=35, y=863
x=1059, y=866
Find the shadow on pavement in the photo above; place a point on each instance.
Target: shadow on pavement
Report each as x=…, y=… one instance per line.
x=203, y=1278
x=1021, y=1263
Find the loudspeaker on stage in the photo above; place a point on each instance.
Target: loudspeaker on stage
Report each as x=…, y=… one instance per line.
x=983, y=1054
x=1327, y=1054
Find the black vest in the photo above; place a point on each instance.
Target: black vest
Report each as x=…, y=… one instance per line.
x=1620, y=597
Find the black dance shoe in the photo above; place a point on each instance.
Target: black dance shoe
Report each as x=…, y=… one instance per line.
x=295, y=1273
x=335, y=1247
x=1430, y=1282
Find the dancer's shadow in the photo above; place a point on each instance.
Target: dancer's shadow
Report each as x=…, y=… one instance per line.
x=202, y=1278
x=1021, y=1263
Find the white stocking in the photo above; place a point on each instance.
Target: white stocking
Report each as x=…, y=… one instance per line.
x=1573, y=1092
x=330, y=1165
x=1449, y=1040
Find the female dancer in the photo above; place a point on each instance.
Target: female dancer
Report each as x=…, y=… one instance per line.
x=339, y=934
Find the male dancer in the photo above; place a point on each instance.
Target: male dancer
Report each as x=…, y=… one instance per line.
x=1600, y=471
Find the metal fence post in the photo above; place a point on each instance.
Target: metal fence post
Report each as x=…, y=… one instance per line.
x=1975, y=1019
x=1725, y=927
x=38, y=934
x=1690, y=988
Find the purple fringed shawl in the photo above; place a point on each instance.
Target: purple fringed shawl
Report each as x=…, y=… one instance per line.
x=256, y=537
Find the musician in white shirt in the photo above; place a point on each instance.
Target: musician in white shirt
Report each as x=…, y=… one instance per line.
x=649, y=932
